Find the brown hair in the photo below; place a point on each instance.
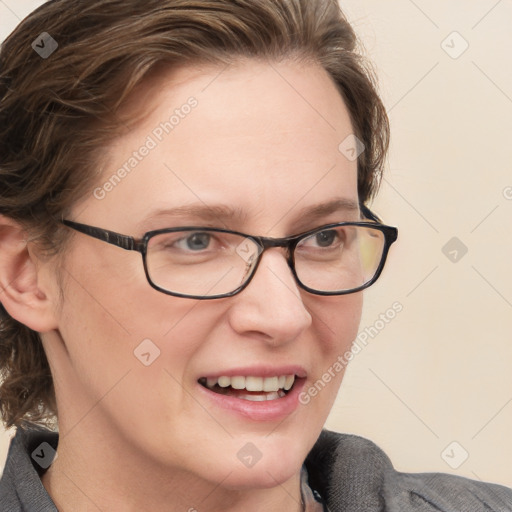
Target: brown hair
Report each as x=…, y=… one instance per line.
x=58, y=112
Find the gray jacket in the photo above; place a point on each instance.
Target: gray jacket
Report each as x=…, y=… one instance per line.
x=350, y=473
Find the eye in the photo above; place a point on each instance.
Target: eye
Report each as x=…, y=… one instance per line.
x=325, y=238
x=194, y=242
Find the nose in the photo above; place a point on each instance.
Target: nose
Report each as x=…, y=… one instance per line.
x=271, y=306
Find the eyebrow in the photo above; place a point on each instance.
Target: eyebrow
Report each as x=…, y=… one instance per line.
x=324, y=209
x=225, y=214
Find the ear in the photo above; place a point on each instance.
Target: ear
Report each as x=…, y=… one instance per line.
x=21, y=293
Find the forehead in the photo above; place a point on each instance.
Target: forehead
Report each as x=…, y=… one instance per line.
x=259, y=137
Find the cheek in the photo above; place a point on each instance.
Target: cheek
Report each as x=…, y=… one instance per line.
x=336, y=321
x=115, y=329
x=129, y=348
x=111, y=319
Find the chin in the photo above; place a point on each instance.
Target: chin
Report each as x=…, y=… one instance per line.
x=275, y=463
x=261, y=476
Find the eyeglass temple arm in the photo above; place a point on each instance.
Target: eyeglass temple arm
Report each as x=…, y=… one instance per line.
x=125, y=242
x=368, y=214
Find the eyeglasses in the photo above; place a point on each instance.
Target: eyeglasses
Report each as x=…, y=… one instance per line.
x=210, y=263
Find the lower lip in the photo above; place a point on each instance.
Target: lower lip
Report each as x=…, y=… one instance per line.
x=268, y=410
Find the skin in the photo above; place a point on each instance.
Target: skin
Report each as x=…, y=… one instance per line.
x=263, y=139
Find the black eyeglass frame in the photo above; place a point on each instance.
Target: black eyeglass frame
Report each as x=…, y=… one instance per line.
x=130, y=243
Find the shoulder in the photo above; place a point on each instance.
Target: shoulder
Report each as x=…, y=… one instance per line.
x=353, y=474
x=30, y=453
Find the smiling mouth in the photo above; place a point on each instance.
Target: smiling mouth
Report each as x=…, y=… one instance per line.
x=254, y=389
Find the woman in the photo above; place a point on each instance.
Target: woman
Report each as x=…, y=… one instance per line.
x=235, y=146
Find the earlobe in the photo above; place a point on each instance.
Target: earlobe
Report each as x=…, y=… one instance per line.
x=20, y=290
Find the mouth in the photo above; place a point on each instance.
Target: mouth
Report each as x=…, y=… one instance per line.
x=251, y=388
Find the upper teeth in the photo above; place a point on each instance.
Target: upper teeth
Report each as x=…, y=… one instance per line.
x=253, y=383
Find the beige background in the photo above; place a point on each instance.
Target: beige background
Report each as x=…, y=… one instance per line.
x=434, y=386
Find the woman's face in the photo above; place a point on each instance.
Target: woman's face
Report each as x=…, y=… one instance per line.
x=254, y=151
